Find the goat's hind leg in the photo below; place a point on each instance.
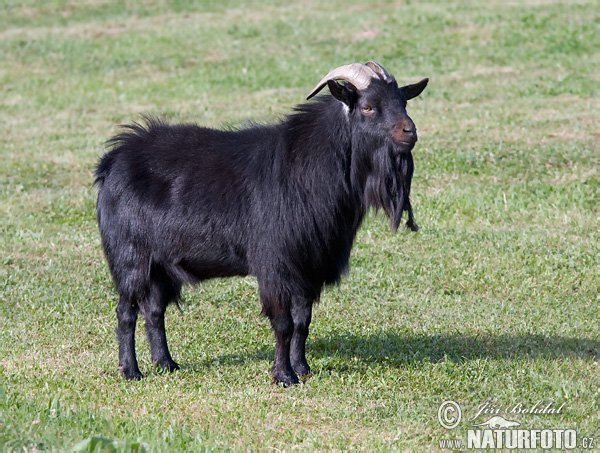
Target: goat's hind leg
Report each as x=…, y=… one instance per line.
x=153, y=309
x=127, y=312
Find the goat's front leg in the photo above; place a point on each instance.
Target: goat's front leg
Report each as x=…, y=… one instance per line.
x=282, y=370
x=154, y=314
x=301, y=314
x=282, y=323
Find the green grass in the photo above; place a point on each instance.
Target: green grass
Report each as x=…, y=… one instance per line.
x=494, y=299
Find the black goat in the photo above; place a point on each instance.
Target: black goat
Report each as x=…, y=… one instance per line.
x=180, y=204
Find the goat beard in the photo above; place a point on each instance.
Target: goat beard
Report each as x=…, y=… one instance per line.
x=388, y=185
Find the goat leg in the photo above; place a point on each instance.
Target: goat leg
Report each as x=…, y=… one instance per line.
x=154, y=315
x=283, y=328
x=127, y=312
x=301, y=314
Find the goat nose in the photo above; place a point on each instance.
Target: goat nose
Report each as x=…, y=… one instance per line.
x=408, y=130
x=405, y=133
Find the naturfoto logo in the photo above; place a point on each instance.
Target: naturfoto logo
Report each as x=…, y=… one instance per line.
x=499, y=430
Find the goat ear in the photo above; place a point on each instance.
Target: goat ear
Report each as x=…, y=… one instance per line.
x=340, y=92
x=412, y=91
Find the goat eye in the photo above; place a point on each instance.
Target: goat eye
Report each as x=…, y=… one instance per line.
x=366, y=109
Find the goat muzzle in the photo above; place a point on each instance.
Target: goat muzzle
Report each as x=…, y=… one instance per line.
x=404, y=134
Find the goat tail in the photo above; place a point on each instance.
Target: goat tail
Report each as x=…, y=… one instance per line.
x=133, y=136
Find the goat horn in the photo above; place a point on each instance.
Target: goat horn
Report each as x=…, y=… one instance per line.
x=357, y=74
x=380, y=70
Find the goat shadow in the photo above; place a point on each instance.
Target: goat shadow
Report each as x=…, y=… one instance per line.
x=400, y=350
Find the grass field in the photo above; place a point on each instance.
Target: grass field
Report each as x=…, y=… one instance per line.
x=495, y=300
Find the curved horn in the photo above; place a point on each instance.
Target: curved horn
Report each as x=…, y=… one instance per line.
x=357, y=74
x=380, y=70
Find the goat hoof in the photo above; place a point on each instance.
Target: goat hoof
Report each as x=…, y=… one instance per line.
x=167, y=364
x=301, y=369
x=132, y=374
x=285, y=378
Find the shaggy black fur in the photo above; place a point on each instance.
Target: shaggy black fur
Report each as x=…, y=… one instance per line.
x=179, y=204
